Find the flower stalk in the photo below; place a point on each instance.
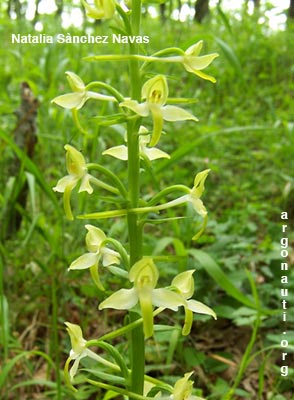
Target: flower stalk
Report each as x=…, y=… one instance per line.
x=141, y=295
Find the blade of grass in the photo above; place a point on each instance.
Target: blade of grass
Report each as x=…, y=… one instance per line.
x=3, y=314
x=33, y=169
x=214, y=270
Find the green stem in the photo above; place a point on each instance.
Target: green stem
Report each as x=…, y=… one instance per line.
x=117, y=96
x=122, y=251
x=104, y=185
x=117, y=182
x=119, y=390
x=135, y=230
x=167, y=191
x=55, y=339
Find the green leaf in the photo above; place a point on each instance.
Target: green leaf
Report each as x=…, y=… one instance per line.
x=214, y=270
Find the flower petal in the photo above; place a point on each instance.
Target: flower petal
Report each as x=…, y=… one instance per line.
x=75, y=82
x=85, y=184
x=85, y=261
x=124, y=299
x=155, y=90
x=74, y=368
x=167, y=299
x=101, y=9
x=200, y=308
x=94, y=238
x=76, y=338
x=185, y=283
x=174, y=113
x=198, y=206
x=67, y=181
x=120, y=152
x=71, y=100
x=193, y=64
x=201, y=74
x=199, y=182
x=154, y=154
x=183, y=388
x=110, y=257
x=144, y=272
x=140, y=109
x=93, y=12
x=195, y=49
x=75, y=161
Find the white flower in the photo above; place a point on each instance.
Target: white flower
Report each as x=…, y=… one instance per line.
x=155, y=91
x=194, y=63
x=78, y=348
x=152, y=153
x=79, y=95
x=77, y=172
x=144, y=275
x=95, y=241
x=184, y=283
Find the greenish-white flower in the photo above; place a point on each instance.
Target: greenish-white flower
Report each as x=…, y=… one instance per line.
x=78, y=348
x=155, y=91
x=183, y=389
x=98, y=253
x=101, y=9
x=197, y=191
x=193, y=196
x=144, y=276
x=77, y=173
x=184, y=284
x=194, y=63
x=79, y=95
x=152, y=153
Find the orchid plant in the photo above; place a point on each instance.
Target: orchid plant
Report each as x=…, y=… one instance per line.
x=139, y=273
